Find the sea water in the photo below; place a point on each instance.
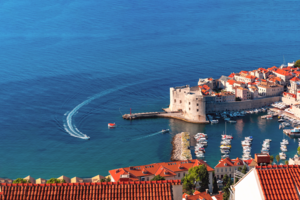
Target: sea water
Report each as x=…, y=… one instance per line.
x=68, y=68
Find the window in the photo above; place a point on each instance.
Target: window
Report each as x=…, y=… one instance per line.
x=225, y=169
x=174, y=100
x=183, y=173
x=178, y=174
x=142, y=178
x=180, y=101
x=217, y=170
x=229, y=169
x=221, y=170
x=147, y=178
x=189, y=108
x=197, y=110
x=197, y=104
x=189, y=103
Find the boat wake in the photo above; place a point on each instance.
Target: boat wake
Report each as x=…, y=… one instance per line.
x=153, y=134
x=69, y=124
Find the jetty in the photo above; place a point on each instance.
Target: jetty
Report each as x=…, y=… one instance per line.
x=166, y=114
x=181, y=147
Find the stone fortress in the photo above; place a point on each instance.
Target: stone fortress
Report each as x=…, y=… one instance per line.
x=238, y=91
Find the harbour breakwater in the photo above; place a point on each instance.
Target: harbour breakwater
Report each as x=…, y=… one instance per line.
x=181, y=147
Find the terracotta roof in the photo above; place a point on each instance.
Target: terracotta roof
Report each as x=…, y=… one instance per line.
x=295, y=79
x=244, y=72
x=227, y=162
x=272, y=68
x=137, y=171
x=251, y=77
x=263, y=70
x=248, y=162
x=197, y=195
x=95, y=191
x=231, y=75
x=219, y=196
x=289, y=94
x=231, y=82
x=283, y=72
x=278, y=181
x=163, y=171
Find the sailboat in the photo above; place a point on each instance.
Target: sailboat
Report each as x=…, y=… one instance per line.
x=226, y=136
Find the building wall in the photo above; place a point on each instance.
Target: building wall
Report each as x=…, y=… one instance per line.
x=221, y=171
x=240, y=105
x=289, y=100
x=248, y=188
x=177, y=192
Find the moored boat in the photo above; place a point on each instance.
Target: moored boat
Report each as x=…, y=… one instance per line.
x=112, y=125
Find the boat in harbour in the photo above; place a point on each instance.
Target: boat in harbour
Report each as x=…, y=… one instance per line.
x=112, y=125
x=165, y=130
x=282, y=156
x=214, y=121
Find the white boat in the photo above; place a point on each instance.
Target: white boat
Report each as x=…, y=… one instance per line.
x=201, y=139
x=282, y=148
x=200, y=155
x=200, y=135
x=246, y=143
x=224, y=147
x=246, y=151
x=268, y=140
x=225, y=142
x=295, y=130
x=246, y=157
x=284, y=141
x=214, y=121
x=232, y=121
x=265, y=151
x=249, y=138
x=165, y=130
x=225, y=151
x=282, y=156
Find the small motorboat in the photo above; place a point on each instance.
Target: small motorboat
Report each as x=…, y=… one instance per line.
x=232, y=121
x=112, y=125
x=224, y=137
x=282, y=156
x=225, y=156
x=214, y=121
x=225, y=146
x=165, y=131
x=225, y=151
x=249, y=138
x=284, y=141
x=281, y=120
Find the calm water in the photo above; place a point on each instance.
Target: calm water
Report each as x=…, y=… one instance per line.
x=70, y=67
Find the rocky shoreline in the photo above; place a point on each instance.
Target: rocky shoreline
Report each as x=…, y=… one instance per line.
x=181, y=144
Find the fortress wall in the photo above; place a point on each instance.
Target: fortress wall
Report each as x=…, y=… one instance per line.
x=177, y=97
x=289, y=100
x=240, y=105
x=195, y=108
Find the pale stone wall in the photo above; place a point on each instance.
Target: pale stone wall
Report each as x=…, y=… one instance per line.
x=240, y=105
x=289, y=100
x=177, y=192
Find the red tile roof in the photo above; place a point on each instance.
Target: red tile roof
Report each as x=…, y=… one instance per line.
x=153, y=169
x=231, y=75
x=231, y=82
x=278, y=181
x=289, y=94
x=139, y=190
x=227, y=162
x=197, y=195
x=295, y=79
x=251, y=77
x=244, y=72
x=263, y=70
x=282, y=72
x=272, y=68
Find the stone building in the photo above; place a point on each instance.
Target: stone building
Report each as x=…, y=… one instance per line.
x=284, y=75
x=228, y=166
x=242, y=93
x=170, y=170
x=266, y=89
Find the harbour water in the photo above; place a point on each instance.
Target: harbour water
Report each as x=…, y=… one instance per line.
x=69, y=68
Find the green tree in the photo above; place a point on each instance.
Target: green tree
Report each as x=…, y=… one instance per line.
x=158, y=178
x=297, y=63
x=277, y=158
x=102, y=180
x=271, y=159
x=63, y=181
x=298, y=150
x=20, y=180
x=53, y=180
x=225, y=179
x=108, y=179
x=236, y=180
x=286, y=162
x=226, y=191
x=196, y=176
x=238, y=99
x=239, y=169
x=28, y=181
x=215, y=184
x=244, y=170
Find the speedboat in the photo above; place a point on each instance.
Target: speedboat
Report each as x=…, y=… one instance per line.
x=214, y=121
x=281, y=120
x=268, y=140
x=264, y=151
x=86, y=137
x=200, y=135
x=295, y=130
x=112, y=125
x=165, y=130
x=246, y=151
x=283, y=148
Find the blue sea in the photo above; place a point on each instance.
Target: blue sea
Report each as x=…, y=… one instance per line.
x=68, y=68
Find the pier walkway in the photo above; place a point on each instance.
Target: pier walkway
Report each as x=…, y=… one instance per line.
x=174, y=115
